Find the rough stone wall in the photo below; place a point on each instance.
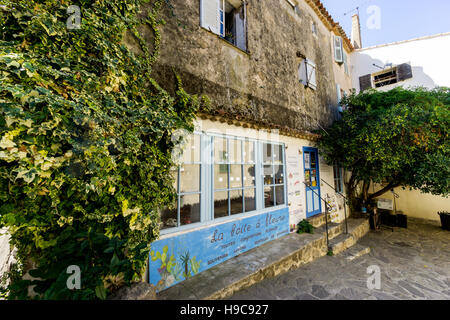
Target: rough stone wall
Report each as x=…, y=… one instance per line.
x=261, y=84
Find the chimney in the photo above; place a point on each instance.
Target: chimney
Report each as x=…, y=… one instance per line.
x=356, y=32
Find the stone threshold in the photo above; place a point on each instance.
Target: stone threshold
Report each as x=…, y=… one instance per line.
x=268, y=260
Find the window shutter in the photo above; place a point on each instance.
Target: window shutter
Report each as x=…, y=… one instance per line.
x=345, y=62
x=338, y=56
x=338, y=90
x=241, y=28
x=302, y=73
x=209, y=15
x=404, y=72
x=365, y=82
x=311, y=74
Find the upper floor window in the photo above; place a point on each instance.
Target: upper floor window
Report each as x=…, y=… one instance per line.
x=386, y=77
x=338, y=174
x=307, y=73
x=338, y=49
x=226, y=18
x=314, y=28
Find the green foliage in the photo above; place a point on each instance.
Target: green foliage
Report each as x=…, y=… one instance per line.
x=399, y=137
x=85, y=143
x=305, y=226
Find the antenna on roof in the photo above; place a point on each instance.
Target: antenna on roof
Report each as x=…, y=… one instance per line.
x=357, y=9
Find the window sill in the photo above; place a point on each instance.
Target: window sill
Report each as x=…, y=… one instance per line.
x=173, y=232
x=226, y=41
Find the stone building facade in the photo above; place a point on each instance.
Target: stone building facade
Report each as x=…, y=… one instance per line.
x=274, y=72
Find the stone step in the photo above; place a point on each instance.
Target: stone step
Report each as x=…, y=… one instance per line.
x=334, y=229
x=357, y=228
x=355, y=252
x=319, y=220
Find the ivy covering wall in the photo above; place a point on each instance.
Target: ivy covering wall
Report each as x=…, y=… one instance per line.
x=85, y=143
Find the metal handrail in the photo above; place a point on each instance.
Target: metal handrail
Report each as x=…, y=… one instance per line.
x=345, y=207
x=326, y=213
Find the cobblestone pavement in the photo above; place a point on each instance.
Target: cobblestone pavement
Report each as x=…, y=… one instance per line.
x=414, y=264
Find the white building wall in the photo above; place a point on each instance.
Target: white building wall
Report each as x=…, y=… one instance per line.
x=428, y=57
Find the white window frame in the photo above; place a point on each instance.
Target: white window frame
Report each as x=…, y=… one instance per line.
x=338, y=49
x=207, y=182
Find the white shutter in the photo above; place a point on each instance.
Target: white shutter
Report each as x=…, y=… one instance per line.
x=338, y=56
x=209, y=15
x=302, y=77
x=338, y=90
x=311, y=74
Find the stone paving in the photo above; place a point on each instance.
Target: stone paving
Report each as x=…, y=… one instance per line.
x=414, y=264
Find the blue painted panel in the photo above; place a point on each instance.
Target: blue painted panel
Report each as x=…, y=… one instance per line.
x=175, y=259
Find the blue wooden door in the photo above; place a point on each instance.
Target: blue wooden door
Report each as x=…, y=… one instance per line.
x=312, y=180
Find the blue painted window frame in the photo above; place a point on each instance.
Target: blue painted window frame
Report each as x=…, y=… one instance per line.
x=311, y=149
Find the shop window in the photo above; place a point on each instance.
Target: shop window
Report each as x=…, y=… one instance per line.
x=187, y=183
x=273, y=175
x=223, y=176
x=226, y=18
x=234, y=176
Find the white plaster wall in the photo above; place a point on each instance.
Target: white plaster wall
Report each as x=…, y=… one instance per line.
x=416, y=204
x=428, y=58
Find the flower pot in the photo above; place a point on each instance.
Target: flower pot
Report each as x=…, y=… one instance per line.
x=445, y=220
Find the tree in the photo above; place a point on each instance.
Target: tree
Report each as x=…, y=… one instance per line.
x=85, y=142
x=394, y=138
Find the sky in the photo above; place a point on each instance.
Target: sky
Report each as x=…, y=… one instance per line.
x=386, y=21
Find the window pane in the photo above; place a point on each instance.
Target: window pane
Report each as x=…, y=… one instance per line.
x=279, y=192
x=174, y=175
x=220, y=150
x=236, y=201
x=268, y=197
x=190, y=178
x=250, y=200
x=220, y=204
x=249, y=152
x=220, y=176
x=278, y=153
x=249, y=175
x=235, y=176
x=169, y=218
x=279, y=177
x=235, y=150
x=267, y=153
x=191, y=151
x=268, y=174
x=190, y=209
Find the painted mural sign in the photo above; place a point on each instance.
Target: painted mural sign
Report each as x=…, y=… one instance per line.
x=178, y=258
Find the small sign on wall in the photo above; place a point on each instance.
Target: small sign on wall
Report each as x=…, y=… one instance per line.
x=386, y=204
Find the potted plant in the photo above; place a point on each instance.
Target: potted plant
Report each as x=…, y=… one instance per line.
x=445, y=220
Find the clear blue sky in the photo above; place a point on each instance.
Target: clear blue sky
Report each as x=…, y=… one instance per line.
x=400, y=19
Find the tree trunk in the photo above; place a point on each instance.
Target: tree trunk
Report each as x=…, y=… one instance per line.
x=390, y=186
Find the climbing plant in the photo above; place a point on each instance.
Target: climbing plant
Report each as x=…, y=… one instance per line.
x=85, y=142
